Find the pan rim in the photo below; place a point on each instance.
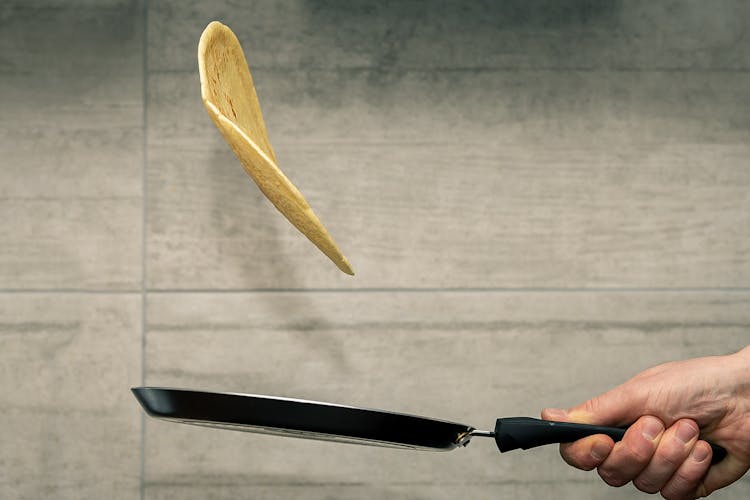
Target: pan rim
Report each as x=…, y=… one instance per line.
x=303, y=418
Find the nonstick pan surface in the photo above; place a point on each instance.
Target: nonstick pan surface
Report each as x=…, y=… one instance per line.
x=301, y=418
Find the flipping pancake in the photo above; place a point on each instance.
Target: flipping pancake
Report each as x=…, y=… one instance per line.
x=229, y=96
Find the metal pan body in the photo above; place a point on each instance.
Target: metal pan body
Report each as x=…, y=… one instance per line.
x=301, y=418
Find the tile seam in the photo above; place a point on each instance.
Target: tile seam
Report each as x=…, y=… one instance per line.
x=541, y=290
x=144, y=247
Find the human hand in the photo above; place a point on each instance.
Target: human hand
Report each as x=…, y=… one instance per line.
x=668, y=406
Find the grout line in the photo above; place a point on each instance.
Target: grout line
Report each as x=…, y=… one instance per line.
x=144, y=291
x=472, y=69
x=83, y=291
x=457, y=290
x=347, y=484
x=144, y=188
x=144, y=248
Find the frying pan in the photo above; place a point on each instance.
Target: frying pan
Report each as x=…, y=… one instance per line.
x=333, y=422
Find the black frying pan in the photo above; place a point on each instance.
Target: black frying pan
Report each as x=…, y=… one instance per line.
x=331, y=422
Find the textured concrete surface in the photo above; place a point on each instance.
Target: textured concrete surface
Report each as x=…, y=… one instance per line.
x=71, y=135
x=539, y=198
x=470, y=141
x=462, y=356
x=69, y=428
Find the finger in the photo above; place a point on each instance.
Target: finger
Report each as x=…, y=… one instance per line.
x=585, y=454
x=673, y=449
x=555, y=414
x=722, y=474
x=631, y=455
x=619, y=406
x=684, y=483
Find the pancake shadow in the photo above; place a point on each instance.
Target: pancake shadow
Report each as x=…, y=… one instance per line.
x=250, y=246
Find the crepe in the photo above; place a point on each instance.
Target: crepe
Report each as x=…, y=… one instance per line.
x=229, y=96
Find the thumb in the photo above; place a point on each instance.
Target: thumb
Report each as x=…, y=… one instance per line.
x=618, y=407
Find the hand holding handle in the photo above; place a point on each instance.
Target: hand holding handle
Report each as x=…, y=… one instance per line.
x=525, y=432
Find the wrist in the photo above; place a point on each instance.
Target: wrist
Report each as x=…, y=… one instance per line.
x=740, y=362
x=744, y=353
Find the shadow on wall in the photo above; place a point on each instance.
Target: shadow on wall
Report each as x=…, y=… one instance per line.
x=244, y=240
x=381, y=30
x=524, y=14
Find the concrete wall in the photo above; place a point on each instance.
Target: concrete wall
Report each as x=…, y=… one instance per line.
x=540, y=199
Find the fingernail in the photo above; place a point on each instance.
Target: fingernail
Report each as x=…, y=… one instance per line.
x=699, y=453
x=651, y=428
x=686, y=432
x=556, y=413
x=599, y=451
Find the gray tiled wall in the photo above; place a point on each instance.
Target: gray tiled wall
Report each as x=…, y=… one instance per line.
x=539, y=198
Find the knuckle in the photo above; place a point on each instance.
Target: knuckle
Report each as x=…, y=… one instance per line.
x=592, y=405
x=670, y=458
x=683, y=478
x=570, y=455
x=638, y=451
x=668, y=495
x=646, y=485
x=673, y=493
x=679, y=486
x=586, y=467
x=611, y=478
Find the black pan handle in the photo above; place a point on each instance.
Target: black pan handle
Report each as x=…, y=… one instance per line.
x=524, y=432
